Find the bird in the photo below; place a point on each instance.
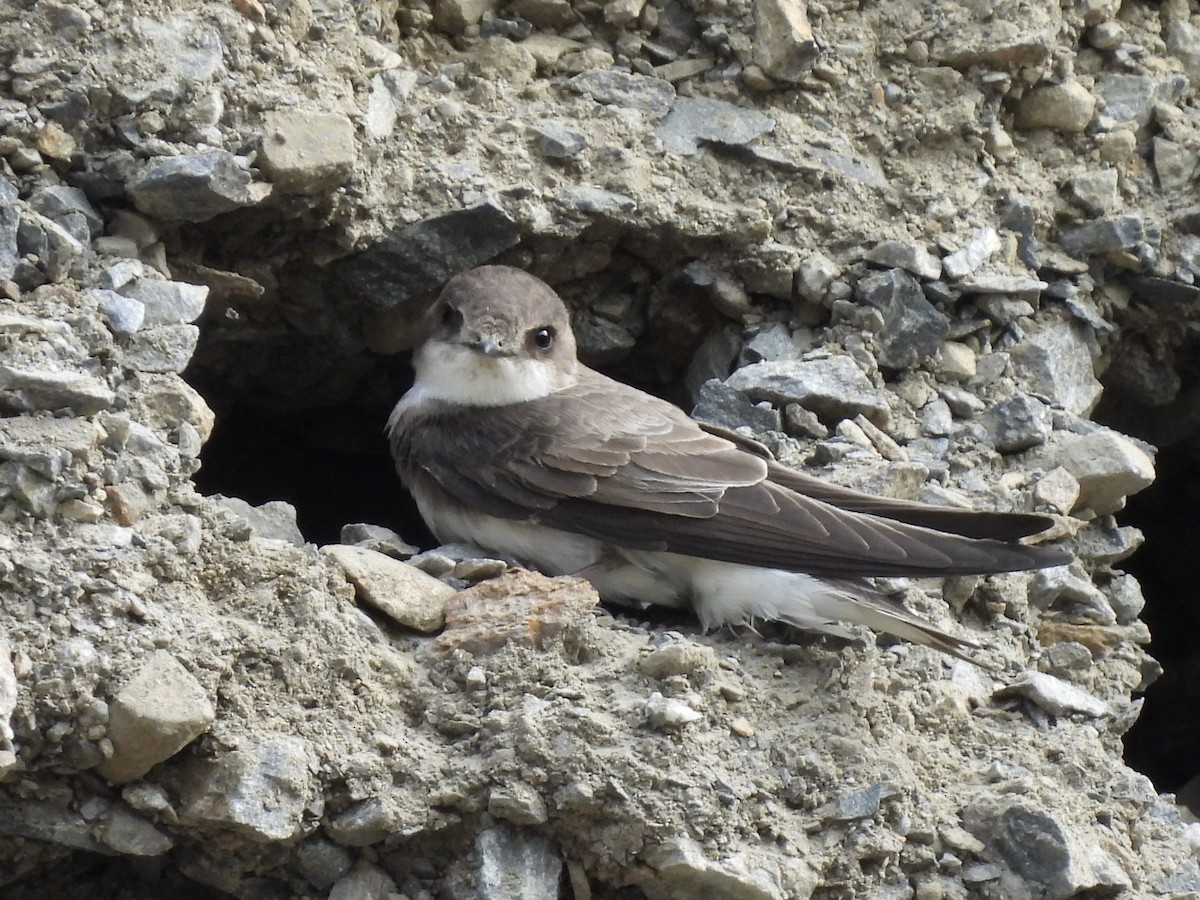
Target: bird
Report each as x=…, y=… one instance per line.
x=508, y=442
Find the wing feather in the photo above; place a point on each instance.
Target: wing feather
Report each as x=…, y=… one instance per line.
x=605, y=460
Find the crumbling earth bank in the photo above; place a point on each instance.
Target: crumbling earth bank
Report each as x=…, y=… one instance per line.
x=917, y=247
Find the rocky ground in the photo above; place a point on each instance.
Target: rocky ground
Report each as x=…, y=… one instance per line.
x=911, y=246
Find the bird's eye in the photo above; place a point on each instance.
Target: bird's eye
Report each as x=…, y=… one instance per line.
x=543, y=338
x=451, y=317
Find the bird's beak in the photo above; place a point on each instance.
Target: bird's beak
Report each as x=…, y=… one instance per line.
x=489, y=346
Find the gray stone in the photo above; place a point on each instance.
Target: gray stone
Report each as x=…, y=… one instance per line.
x=322, y=862
x=1066, y=107
x=10, y=219
x=1055, y=362
x=1095, y=191
x=421, y=257
x=555, y=139
x=979, y=247
x=34, y=389
x=1064, y=591
x=1019, y=423
x=1055, y=696
x=156, y=714
x=1124, y=596
x=262, y=789
x=685, y=872
x=475, y=570
x=905, y=255
x=937, y=419
x=307, y=151
x=775, y=342
x=784, y=47
x=1103, y=236
x=695, y=120
x=364, y=882
x=1108, y=466
x=861, y=804
x=1056, y=859
x=517, y=802
x=593, y=200
x=454, y=16
x=650, y=95
x=1003, y=310
x=913, y=328
x=1174, y=164
x=58, y=200
x=728, y=407
x=516, y=863
x=274, y=520
x=363, y=824
x=377, y=538
x=390, y=89
x=832, y=387
x=803, y=423
x=56, y=249
x=1058, y=490
x=192, y=188
x=1128, y=98
x=164, y=349
x=8, y=699
x=131, y=835
x=400, y=591
x=814, y=276
x=123, y=314
x=167, y=302
x=669, y=713
x=714, y=358
x=996, y=283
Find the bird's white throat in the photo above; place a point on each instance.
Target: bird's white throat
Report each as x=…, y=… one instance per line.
x=456, y=374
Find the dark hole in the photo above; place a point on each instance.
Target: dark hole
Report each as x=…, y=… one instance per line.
x=1165, y=742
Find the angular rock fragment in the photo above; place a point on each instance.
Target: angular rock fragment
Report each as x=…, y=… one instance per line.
x=10, y=220
x=982, y=243
x=517, y=802
x=305, y=151
x=516, y=863
x=685, y=870
x=364, y=882
x=720, y=404
x=913, y=328
x=905, y=255
x=1103, y=236
x=833, y=387
x=1019, y=423
x=1055, y=362
x=274, y=520
x=261, y=790
x=1067, y=107
x=555, y=139
x=423, y=256
x=1108, y=466
x=1057, y=859
x=402, y=592
x=131, y=835
x=784, y=47
x=650, y=95
x=192, y=188
x=455, y=15
x=167, y=302
x=34, y=389
x=694, y=120
x=523, y=608
x=160, y=711
x=1055, y=696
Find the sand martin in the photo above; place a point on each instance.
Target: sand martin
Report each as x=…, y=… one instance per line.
x=508, y=442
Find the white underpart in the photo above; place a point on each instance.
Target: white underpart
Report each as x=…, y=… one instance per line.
x=721, y=593
x=457, y=374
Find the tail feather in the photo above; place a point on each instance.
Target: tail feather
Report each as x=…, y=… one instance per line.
x=732, y=594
